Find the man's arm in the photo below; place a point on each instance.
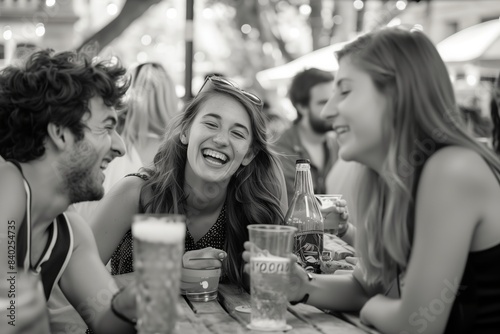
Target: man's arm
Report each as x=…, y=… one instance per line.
x=89, y=287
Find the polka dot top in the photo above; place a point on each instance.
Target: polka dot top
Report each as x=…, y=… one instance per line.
x=122, y=261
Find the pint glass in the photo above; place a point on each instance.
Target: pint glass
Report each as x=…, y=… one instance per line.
x=270, y=268
x=158, y=249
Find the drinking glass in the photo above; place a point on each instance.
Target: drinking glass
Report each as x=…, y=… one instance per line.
x=332, y=221
x=270, y=268
x=200, y=285
x=158, y=250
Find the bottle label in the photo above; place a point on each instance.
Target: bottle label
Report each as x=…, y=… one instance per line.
x=302, y=167
x=308, y=248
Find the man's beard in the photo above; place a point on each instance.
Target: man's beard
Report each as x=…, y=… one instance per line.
x=319, y=125
x=79, y=176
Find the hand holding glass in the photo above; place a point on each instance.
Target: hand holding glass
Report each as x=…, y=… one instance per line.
x=333, y=219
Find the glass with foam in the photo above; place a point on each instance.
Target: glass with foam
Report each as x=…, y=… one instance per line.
x=158, y=250
x=270, y=268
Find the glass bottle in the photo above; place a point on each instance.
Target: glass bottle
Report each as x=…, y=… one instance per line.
x=304, y=214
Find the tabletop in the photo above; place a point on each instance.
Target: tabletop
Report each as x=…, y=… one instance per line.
x=220, y=317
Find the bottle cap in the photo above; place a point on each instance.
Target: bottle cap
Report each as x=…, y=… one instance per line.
x=302, y=161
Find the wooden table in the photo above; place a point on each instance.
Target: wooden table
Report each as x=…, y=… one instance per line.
x=220, y=317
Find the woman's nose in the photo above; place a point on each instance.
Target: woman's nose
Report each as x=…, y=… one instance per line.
x=329, y=111
x=221, y=138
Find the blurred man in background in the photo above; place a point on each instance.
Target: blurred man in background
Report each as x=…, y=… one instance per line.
x=308, y=137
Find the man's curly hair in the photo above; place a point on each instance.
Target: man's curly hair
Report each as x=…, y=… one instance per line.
x=52, y=88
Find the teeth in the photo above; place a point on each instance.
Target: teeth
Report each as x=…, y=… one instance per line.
x=215, y=154
x=341, y=129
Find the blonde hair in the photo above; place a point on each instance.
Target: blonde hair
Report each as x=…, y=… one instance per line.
x=152, y=103
x=422, y=117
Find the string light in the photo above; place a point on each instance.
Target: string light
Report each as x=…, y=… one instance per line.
x=50, y=3
x=112, y=9
x=358, y=4
x=401, y=5
x=40, y=29
x=7, y=33
x=246, y=28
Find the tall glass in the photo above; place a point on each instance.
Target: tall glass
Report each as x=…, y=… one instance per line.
x=270, y=275
x=158, y=250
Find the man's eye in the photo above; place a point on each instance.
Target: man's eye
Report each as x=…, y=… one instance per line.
x=345, y=92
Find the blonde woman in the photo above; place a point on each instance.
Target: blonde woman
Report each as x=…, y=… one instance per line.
x=428, y=214
x=152, y=105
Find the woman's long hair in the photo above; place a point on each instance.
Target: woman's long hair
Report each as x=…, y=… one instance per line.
x=422, y=117
x=253, y=191
x=152, y=103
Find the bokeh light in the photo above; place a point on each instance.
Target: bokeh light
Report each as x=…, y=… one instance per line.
x=112, y=9
x=40, y=29
x=358, y=4
x=246, y=28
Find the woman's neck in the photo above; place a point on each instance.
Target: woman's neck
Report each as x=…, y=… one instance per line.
x=204, y=196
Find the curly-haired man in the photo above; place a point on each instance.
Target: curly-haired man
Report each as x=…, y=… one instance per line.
x=57, y=135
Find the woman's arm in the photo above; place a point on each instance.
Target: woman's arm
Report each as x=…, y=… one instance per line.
x=449, y=205
x=334, y=292
x=339, y=292
x=114, y=214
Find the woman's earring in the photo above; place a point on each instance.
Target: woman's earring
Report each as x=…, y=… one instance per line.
x=183, y=139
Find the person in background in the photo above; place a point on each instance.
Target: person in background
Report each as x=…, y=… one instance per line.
x=479, y=126
x=428, y=210
x=151, y=105
x=57, y=135
x=307, y=138
x=495, y=116
x=275, y=123
x=215, y=167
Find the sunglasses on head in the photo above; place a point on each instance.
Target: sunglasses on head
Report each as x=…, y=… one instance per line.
x=217, y=80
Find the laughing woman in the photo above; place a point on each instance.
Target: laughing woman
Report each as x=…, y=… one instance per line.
x=428, y=213
x=215, y=167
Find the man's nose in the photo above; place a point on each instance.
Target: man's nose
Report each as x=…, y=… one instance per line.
x=117, y=145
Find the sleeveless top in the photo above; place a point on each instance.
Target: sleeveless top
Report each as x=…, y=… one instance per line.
x=476, y=308
x=57, y=252
x=122, y=260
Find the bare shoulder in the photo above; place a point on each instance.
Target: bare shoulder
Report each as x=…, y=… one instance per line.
x=12, y=192
x=128, y=187
x=458, y=165
x=10, y=175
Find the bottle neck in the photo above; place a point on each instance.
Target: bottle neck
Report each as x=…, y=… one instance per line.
x=303, y=179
